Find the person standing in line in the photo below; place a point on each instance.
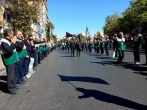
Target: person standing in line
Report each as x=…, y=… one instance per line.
x=145, y=39
x=98, y=46
x=137, y=43
x=36, y=43
x=86, y=46
x=107, y=43
x=115, y=49
x=68, y=46
x=95, y=45
x=32, y=56
x=21, y=51
x=121, y=48
x=102, y=46
x=73, y=47
x=10, y=59
x=89, y=46
x=27, y=59
x=78, y=47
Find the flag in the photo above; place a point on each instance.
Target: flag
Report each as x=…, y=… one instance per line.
x=68, y=34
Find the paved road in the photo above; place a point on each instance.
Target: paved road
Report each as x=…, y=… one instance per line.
x=89, y=82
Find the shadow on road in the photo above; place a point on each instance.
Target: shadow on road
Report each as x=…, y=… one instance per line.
x=66, y=56
x=110, y=99
x=106, y=57
x=106, y=63
x=138, y=69
x=82, y=79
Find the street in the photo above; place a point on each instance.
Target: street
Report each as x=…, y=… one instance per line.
x=89, y=82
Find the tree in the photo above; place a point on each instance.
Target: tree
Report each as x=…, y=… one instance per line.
x=49, y=28
x=22, y=13
x=54, y=38
x=98, y=35
x=135, y=16
x=111, y=25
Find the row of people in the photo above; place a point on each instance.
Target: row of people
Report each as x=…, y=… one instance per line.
x=20, y=53
x=71, y=46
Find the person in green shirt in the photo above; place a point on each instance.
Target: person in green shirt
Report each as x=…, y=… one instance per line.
x=10, y=59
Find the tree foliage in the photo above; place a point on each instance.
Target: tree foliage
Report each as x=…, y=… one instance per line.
x=98, y=35
x=135, y=16
x=49, y=28
x=23, y=13
x=111, y=24
x=54, y=38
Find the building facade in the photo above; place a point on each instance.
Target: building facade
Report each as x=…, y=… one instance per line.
x=38, y=30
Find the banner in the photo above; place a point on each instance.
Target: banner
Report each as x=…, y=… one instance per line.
x=68, y=34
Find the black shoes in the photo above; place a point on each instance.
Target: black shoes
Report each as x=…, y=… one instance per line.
x=18, y=87
x=21, y=82
x=13, y=92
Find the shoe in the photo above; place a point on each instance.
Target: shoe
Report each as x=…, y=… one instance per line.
x=137, y=63
x=13, y=92
x=24, y=80
x=17, y=87
x=32, y=71
x=21, y=82
x=28, y=75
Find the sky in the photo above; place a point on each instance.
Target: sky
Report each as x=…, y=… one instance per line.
x=74, y=15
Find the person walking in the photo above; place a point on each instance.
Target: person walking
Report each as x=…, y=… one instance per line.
x=73, y=47
x=10, y=59
x=78, y=47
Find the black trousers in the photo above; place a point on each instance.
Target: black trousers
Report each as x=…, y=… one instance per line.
x=102, y=50
x=107, y=51
x=72, y=51
x=98, y=49
x=78, y=51
x=146, y=53
x=136, y=52
x=27, y=61
x=12, y=71
x=121, y=56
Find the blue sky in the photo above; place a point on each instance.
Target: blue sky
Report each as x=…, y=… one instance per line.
x=74, y=15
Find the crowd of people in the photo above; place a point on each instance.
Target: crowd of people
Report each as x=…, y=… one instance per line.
x=118, y=43
x=21, y=53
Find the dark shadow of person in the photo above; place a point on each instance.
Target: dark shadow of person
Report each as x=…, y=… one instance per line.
x=110, y=99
